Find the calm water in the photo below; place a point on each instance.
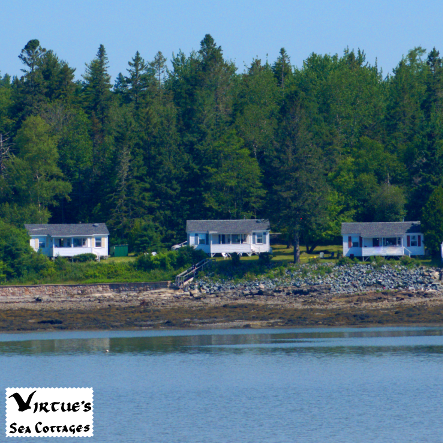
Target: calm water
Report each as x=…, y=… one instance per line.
x=273, y=386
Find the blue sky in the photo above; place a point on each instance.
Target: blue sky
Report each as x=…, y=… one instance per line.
x=244, y=29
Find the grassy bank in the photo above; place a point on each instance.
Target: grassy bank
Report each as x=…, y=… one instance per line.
x=92, y=272
x=145, y=268
x=167, y=265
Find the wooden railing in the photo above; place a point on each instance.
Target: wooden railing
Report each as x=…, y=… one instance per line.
x=191, y=272
x=180, y=245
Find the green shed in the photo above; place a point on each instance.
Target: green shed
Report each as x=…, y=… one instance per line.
x=119, y=251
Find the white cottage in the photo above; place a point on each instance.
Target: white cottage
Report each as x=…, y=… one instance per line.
x=382, y=238
x=70, y=240
x=229, y=236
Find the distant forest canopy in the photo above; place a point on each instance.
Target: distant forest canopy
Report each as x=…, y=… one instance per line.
x=306, y=147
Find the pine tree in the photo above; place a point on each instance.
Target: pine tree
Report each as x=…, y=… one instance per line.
x=282, y=69
x=232, y=180
x=432, y=221
x=35, y=180
x=97, y=87
x=137, y=82
x=298, y=199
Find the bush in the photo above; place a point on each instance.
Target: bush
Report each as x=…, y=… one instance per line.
x=235, y=259
x=265, y=258
x=168, y=260
x=342, y=261
x=407, y=261
x=187, y=256
x=379, y=261
x=147, y=262
x=18, y=258
x=61, y=264
x=81, y=258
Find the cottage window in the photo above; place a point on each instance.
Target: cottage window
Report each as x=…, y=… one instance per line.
x=375, y=242
x=41, y=242
x=355, y=242
x=98, y=242
x=259, y=238
x=236, y=238
x=414, y=240
x=79, y=242
x=201, y=239
x=390, y=241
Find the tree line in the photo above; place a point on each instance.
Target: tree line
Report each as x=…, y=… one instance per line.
x=310, y=147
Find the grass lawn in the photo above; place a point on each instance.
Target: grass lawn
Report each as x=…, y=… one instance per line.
x=283, y=254
x=119, y=259
x=286, y=255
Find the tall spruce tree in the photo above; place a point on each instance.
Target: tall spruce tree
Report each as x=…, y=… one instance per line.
x=298, y=200
x=137, y=81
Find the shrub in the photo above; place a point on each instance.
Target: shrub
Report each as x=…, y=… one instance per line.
x=61, y=264
x=379, y=261
x=81, y=258
x=187, y=256
x=342, y=261
x=147, y=262
x=235, y=259
x=265, y=258
x=407, y=261
x=168, y=260
x=18, y=257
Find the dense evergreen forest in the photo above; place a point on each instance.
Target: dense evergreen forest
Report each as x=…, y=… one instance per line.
x=310, y=147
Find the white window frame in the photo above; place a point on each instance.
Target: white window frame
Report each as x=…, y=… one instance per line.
x=259, y=238
x=79, y=242
x=98, y=242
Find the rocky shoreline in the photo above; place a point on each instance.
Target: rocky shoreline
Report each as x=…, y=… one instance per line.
x=348, y=279
x=341, y=296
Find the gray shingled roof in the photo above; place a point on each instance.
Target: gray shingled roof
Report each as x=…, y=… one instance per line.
x=227, y=226
x=68, y=230
x=381, y=229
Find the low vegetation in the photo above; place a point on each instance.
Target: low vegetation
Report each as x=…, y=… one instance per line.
x=38, y=269
x=19, y=264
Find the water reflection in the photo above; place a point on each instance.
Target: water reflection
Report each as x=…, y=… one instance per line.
x=269, y=386
x=327, y=341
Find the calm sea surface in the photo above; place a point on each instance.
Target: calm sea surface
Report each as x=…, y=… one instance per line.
x=229, y=386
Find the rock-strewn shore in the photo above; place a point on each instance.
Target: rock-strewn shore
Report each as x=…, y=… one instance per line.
x=339, y=296
x=339, y=279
